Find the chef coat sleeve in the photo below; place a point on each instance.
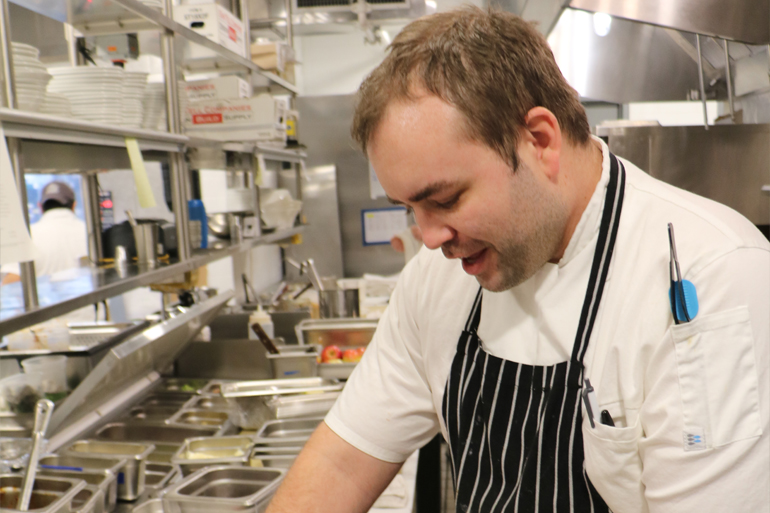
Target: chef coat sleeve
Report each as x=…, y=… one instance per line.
x=386, y=409
x=705, y=417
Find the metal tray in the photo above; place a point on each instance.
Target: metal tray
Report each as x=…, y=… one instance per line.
x=105, y=481
x=339, y=332
x=75, y=463
x=289, y=428
x=270, y=387
x=224, y=488
x=336, y=370
x=152, y=432
x=207, y=402
x=151, y=413
x=88, y=500
x=304, y=405
x=197, y=453
x=150, y=506
x=86, y=338
x=158, y=476
x=131, y=478
x=49, y=494
x=206, y=418
x=262, y=459
x=186, y=385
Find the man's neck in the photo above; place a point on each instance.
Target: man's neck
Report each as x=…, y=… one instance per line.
x=582, y=169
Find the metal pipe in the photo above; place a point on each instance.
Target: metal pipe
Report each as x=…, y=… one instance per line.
x=177, y=175
x=93, y=217
x=729, y=78
x=27, y=269
x=289, y=23
x=244, y=8
x=9, y=89
x=702, y=84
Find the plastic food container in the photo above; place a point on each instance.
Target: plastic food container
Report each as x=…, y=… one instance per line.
x=54, y=371
x=19, y=393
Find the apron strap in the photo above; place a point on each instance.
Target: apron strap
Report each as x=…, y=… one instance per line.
x=472, y=324
x=608, y=231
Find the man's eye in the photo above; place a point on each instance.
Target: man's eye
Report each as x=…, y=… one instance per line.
x=451, y=202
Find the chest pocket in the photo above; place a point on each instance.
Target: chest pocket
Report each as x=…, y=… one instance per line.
x=718, y=379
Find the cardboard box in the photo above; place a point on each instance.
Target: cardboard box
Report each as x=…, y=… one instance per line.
x=219, y=88
x=260, y=118
x=273, y=56
x=214, y=22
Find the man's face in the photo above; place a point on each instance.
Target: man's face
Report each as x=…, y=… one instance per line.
x=466, y=199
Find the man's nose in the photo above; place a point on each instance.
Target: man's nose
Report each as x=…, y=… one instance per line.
x=435, y=232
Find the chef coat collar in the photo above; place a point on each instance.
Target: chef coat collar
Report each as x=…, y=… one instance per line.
x=588, y=226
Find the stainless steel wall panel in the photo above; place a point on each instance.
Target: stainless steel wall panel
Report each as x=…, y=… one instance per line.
x=325, y=129
x=727, y=163
x=742, y=20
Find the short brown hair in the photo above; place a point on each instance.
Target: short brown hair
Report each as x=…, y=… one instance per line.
x=492, y=66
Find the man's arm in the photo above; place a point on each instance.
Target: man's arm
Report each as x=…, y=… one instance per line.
x=330, y=475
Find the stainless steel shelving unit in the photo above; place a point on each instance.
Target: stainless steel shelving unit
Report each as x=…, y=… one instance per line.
x=90, y=286
x=80, y=145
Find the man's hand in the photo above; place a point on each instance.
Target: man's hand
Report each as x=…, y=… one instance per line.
x=330, y=475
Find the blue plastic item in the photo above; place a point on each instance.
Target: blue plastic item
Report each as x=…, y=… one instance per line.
x=197, y=212
x=686, y=309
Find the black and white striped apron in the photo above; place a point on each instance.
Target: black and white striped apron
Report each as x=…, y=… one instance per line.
x=515, y=430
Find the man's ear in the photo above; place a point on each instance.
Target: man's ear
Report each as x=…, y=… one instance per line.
x=542, y=138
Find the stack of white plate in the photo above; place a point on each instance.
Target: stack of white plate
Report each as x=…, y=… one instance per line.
x=95, y=93
x=155, y=4
x=134, y=86
x=30, y=75
x=56, y=105
x=154, y=117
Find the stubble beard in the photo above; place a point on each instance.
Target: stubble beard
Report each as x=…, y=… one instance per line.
x=525, y=250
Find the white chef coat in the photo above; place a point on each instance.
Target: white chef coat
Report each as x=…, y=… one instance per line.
x=60, y=240
x=665, y=385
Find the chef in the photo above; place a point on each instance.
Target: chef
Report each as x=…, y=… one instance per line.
x=60, y=238
x=585, y=337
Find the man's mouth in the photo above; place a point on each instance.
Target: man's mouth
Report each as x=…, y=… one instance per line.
x=473, y=264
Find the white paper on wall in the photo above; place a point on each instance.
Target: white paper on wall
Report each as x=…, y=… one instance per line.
x=15, y=241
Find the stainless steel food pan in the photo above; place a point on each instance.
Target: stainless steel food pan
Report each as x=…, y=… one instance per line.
x=49, y=494
x=150, y=506
x=197, y=453
x=261, y=457
x=303, y=405
x=152, y=432
x=104, y=480
x=224, y=488
x=289, y=442
x=151, y=413
x=294, y=362
x=262, y=388
x=88, y=500
x=157, y=476
x=289, y=428
x=131, y=480
x=336, y=370
x=248, y=400
x=206, y=418
x=206, y=402
x=339, y=332
x=186, y=385
x=110, y=467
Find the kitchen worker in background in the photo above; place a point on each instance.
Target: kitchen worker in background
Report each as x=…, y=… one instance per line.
x=60, y=238
x=537, y=330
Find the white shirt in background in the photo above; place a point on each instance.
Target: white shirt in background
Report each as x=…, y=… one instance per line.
x=60, y=240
